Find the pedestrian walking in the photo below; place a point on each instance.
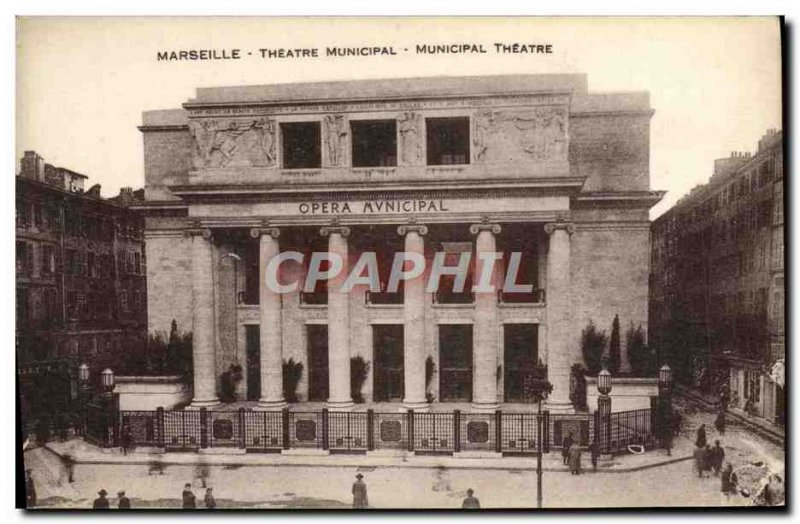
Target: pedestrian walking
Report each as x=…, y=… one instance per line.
x=471, y=502
x=719, y=457
x=188, y=497
x=594, y=452
x=359, y=491
x=708, y=459
x=575, y=459
x=101, y=502
x=211, y=503
x=30, y=490
x=123, y=502
x=719, y=423
x=699, y=455
x=568, y=440
x=125, y=439
x=728, y=481
x=701, y=441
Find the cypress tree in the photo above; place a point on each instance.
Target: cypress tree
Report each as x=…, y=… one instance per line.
x=613, y=347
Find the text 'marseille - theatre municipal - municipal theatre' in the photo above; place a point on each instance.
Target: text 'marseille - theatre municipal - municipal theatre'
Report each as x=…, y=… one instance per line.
x=450, y=169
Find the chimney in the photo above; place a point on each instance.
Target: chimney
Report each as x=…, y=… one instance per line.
x=32, y=166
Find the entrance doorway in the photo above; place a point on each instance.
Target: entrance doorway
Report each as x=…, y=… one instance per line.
x=317, y=337
x=521, y=353
x=387, y=344
x=253, y=351
x=455, y=363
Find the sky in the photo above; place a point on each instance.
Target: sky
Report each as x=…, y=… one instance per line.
x=82, y=83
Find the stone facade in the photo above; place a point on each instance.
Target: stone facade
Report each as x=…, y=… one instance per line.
x=535, y=164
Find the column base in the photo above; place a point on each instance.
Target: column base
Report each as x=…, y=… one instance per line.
x=271, y=405
x=210, y=403
x=419, y=406
x=339, y=405
x=559, y=406
x=485, y=406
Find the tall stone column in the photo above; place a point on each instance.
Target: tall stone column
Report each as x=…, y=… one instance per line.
x=560, y=340
x=203, y=352
x=270, y=331
x=485, y=324
x=414, y=325
x=338, y=324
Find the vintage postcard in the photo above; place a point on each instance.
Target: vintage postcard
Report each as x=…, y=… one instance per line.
x=400, y=263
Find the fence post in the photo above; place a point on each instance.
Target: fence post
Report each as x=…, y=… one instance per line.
x=456, y=431
x=370, y=430
x=161, y=438
x=203, y=428
x=242, y=429
x=498, y=428
x=546, y=430
x=410, y=428
x=325, y=428
x=285, y=427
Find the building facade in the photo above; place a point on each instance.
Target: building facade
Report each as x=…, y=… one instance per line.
x=80, y=267
x=530, y=164
x=717, y=289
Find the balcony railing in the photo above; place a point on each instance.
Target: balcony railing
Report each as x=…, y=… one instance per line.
x=383, y=298
x=314, y=298
x=449, y=297
x=536, y=296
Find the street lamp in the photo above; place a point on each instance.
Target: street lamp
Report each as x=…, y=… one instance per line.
x=665, y=406
x=604, y=410
x=107, y=380
x=83, y=374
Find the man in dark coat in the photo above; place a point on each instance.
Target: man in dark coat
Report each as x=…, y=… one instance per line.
x=210, y=501
x=188, y=497
x=594, y=452
x=101, y=502
x=123, y=502
x=728, y=481
x=359, y=491
x=565, y=448
x=699, y=460
x=719, y=423
x=471, y=502
x=30, y=490
x=701, y=441
x=719, y=457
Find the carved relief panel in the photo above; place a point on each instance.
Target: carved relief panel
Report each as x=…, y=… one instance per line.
x=335, y=140
x=234, y=142
x=409, y=130
x=538, y=134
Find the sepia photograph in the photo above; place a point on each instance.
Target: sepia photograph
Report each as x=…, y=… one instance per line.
x=400, y=263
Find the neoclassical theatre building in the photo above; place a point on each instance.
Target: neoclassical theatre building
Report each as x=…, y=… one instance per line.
x=534, y=164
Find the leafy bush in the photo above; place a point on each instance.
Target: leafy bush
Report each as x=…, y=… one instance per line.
x=292, y=371
x=577, y=387
x=614, y=347
x=430, y=369
x=642, y=358
x=359, y=369
x=593, y=343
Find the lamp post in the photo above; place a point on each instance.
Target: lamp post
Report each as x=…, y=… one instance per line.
x=543, y=388
x=665, y=406
x=604, y=409
x=85, y=392
x=107, y=381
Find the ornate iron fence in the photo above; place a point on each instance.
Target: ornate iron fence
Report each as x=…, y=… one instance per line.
x=361, y=431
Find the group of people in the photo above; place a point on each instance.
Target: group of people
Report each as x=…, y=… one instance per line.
x=190, y=501
x=123, y=502
x=102, y=502
x=707, y=458
x=571, y=454
x=360, y=500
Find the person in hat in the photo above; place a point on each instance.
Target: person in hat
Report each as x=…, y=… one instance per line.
x=188, y=497
x=211, y=503
x=101, y=502
x=471, y=502
x=359, y=490
x=30, y=489
x=123, y=502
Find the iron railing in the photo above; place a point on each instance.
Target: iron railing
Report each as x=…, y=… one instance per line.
x=362, y=431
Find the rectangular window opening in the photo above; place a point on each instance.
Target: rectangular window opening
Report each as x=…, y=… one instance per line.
x=447, y=141
x=302, y=145
x=374, y=143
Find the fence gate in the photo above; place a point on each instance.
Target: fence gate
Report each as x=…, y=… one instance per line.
x=182, y=430
x=433, y=433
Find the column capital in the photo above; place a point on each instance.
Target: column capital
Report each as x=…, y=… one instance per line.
x=256, y=232
x=550, y=227
x=198, y=231
x=485, y=226
x=420, y=229
x=328, y=230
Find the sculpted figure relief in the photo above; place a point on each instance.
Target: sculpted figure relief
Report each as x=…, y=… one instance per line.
x=539, y=134
x=233, y=143
x=336, y=128
x=409, y=126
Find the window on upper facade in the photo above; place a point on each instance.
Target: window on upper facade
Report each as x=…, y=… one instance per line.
x=447, y=141
x=374, y=143
x=302, y=145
